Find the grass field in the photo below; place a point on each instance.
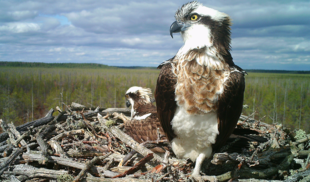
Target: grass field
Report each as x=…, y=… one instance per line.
x=28, y=93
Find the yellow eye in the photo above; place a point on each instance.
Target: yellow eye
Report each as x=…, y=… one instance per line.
x=194, y=17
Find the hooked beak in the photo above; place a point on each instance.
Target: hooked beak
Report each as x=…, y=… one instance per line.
x=176, y=27
x=128, y=103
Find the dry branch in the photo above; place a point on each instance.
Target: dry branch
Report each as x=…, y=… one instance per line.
x=88, y=165
x=94, y=179
x=10, y=159
x=67, y=134
x=39, y=122
x=137, y=166
x=17, y=135
x=33, y=172
x=124, y=111
x=65, y=162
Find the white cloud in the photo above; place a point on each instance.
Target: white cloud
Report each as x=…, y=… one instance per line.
x=136, y=33
x=20, y=27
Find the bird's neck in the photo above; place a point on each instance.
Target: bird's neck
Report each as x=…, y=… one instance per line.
x=204, y=56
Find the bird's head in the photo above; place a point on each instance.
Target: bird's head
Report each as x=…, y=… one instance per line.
x=138, y=95
x=202, y=27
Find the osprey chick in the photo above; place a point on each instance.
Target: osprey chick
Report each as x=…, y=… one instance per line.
x=144, y=124
x=199, y=92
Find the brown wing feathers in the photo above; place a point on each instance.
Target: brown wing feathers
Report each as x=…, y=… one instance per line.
x=230, y=107
x=145, y=129
x=165, y=99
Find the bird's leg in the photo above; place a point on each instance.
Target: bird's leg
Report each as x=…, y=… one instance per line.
x=196, y=172
x=198, y=164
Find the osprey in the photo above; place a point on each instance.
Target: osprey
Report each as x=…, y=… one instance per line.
x=144, y=124
x=199, y=92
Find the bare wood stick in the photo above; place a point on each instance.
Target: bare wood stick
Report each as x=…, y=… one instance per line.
x=68, y=133
x=102, y=111
x=90, y=127
x=41, y=141
x=137, y=166
x=62, y=161
x=3, y=143
x=8, y=150
x=50, y=127
x=303, y=139
x=6, y=164
x=4, y=136
x=4, y=126
x=94, y=179
x=296, y=177
x=127, y=157
x=78, y=107
x=121, y=116
x=2, y=148
x=246, y=172
x=258, y=180
x=56, y=146
x=219, y=158
x=224, y=177
x=129, y=141
x=46, y=119
x=76, y=153
x=39, y=122
x=75, y=105
x=17, y=135
x=33, y=172
x=21, y=138
x=304, y=153
x=88, y=165
x=125, y=111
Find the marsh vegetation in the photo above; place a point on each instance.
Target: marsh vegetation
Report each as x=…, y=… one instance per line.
x=27, y=93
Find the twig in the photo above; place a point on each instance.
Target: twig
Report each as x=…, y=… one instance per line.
x=6, y=164
x=90, y=127
x=68, y=133
x=77, y=153
x=51, y=127
x=17, y=135
x=88, y=165
x=62, y=161
x=137, y=166
x=296, y=177
x=247, y=172
x=33, y=172
x=8, y=150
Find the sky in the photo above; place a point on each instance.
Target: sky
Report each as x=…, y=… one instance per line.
x=266, y=34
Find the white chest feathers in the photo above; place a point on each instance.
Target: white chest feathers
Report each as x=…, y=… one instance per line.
x=195, y=133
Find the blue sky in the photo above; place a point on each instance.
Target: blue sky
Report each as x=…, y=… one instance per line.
x=266, y=34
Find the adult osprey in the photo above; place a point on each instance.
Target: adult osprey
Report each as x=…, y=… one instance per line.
x=144, y=125
x=199, y=92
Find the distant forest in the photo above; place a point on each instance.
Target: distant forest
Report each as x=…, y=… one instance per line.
x=97, y=65
x=52, y=65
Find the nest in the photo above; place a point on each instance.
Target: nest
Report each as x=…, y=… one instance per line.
x=89, y=144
